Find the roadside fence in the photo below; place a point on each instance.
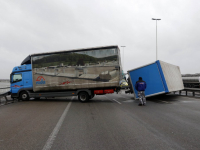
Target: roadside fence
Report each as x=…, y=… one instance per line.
x=4, y=90
x=4, y=100
x=189, y=91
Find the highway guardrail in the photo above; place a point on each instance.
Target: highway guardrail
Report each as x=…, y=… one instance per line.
x=4, y=89
x=4, y=92
x=194, y=91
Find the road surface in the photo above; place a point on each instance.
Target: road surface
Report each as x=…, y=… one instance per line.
x=108, y=122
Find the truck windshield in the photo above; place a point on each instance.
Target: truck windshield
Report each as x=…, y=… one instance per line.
x=17, y=78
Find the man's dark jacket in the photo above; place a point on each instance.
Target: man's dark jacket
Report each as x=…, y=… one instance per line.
x=140, y=85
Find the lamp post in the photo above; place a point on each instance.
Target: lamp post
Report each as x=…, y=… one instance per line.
x=123, y=55
x=156, y=35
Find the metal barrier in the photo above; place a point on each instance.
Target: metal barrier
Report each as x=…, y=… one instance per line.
x=4, y=92
x=192, y=90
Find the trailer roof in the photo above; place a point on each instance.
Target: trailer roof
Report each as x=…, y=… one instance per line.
x=75, y=50
x=27, y=60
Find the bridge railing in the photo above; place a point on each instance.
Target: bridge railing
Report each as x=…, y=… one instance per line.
x=193, y=91
x=4, y=92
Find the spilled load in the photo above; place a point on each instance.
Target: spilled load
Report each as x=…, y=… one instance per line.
x=160, y=77
x=80, y=72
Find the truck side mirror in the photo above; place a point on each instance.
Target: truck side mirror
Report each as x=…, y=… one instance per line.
x=11, y=78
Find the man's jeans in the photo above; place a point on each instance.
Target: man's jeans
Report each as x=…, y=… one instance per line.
x=142, y=97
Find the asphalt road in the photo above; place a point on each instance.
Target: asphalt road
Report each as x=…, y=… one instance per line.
x=108, y=122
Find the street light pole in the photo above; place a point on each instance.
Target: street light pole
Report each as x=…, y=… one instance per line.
x=156, y=37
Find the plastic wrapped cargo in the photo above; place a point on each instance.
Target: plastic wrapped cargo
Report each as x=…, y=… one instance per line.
x=161, y=78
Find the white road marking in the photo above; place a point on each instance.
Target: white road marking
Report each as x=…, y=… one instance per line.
x=122, y=96
x=55, y=131
x=165, y=101
x=129, y=100
x=193, y=98
x=162, y=101
x=188, y=101
x=113, y=100
x=117, y=101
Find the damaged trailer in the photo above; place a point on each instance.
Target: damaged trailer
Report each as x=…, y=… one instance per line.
x=160, y=77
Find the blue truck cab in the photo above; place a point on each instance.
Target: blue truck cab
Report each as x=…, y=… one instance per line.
x=21, y=80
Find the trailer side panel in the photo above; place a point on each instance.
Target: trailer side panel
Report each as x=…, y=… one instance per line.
x=86, y=69
x=151, y=75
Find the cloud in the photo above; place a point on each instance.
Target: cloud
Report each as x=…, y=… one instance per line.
x=41, y=26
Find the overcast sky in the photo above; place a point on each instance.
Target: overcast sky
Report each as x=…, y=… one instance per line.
x=28, y=27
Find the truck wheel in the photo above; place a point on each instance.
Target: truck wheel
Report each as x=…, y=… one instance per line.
x=24, y=96
x=83, y=97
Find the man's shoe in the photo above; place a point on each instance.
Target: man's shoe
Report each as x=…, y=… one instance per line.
x=144, y=104
x=139, y=104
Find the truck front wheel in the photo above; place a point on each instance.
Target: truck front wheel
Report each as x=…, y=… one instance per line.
x=83, y=97
x=24, y=96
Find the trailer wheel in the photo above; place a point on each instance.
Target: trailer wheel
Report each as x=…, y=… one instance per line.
x=83, y=97
x=24, y=96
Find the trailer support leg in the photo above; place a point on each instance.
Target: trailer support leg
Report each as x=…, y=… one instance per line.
x=193, y=93
x=186, y=93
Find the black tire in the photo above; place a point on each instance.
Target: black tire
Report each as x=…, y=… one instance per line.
x=83, y=97
x=24, y=96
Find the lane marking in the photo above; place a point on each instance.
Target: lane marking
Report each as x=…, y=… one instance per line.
x=55, y=131
x=126, y=97
x=162, y=101
x=165, y=101
x=122, y=96
x=129, y=100
x=117, y=101
x=113, y=100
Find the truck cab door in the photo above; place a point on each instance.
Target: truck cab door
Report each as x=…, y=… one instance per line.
x=16, y=82
x=27, y=78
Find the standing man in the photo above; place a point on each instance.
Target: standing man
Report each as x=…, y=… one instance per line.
x=140, y=86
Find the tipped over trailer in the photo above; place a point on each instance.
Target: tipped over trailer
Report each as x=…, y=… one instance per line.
x=81, y=72
x=160, y=77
